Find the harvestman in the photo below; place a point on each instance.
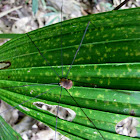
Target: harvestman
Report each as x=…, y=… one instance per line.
x=64, y=82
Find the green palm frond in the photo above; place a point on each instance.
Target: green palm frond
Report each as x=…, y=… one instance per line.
x=105, y=73
x=7, y=132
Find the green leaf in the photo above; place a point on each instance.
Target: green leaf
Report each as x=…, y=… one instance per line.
x=105, y=73
x=7, y=132
x=10, y=35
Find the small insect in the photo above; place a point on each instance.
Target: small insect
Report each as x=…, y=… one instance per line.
x=66, y=83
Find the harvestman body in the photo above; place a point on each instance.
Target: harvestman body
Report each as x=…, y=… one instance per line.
x=66, y=83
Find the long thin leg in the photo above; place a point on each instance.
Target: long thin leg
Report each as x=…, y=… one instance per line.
x=28, y=100
x=43, y=56
x=61, y=39
x=78, y=49
x=121, y=4
x=30, y=85
x=57, y=113
x=91, y=84
x=68, y=73
x=85, y=114
x=62, y=72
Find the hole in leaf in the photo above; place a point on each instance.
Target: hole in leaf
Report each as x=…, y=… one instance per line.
x=4, y=65
x=127, y=127
x=63, y=113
